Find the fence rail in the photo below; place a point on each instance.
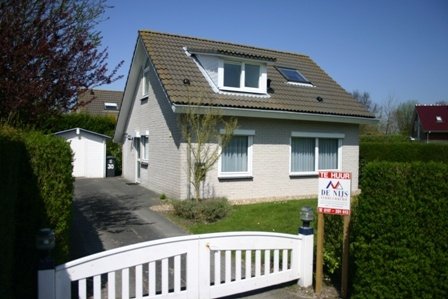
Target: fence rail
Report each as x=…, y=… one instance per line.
x=195, y=266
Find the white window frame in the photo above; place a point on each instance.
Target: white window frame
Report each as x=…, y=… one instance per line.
x=145, y=80
x=240, y=174
x=262, y=79
x=317, y=136
x=144, y=147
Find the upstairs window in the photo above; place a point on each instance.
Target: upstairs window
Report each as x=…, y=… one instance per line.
x=145, y=80
x=242, y=76
x=111, y=106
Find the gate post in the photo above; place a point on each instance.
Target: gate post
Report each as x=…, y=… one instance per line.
x=45, y=242
x=306, y=248
x=46, y=284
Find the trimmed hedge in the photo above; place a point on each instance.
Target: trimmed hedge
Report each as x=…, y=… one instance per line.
x=206, y=211
x=35, y=191
x=402, y=152
x=400, y=232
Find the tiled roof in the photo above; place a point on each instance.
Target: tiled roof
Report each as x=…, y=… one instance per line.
x=95, y=101
x=428, y=115
x=173, y=65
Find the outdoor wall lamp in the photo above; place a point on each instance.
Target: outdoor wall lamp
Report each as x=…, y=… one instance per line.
x=45, y=239
x=45, y=242
x=306, y=216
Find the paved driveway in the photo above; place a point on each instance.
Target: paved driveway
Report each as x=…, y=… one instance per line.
x=111, y=212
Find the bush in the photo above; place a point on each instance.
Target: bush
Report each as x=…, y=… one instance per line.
x=400, y=232
x=208, y=210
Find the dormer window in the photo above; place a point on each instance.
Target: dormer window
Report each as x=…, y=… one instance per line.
x=242, y=76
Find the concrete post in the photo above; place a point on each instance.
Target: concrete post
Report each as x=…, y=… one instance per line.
x=306, y=257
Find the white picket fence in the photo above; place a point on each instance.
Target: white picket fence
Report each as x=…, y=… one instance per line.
x=194, y=266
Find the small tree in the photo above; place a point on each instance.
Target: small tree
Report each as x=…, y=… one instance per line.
x=205, y=141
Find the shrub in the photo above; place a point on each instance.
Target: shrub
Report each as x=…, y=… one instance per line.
x=399, y=237
x=208, y=210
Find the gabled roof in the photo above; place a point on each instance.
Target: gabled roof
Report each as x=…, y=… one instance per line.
x=78, y=131
x=433, y=117
x=167, y=53
x=96, y=99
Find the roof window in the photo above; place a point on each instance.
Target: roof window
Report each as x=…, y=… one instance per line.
x=293, y=75
x=439, y=119
x=110, y=106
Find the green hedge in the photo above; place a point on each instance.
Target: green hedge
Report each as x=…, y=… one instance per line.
x=51, y=159
x=402, y=152
x=400, y=232
x=35, y=191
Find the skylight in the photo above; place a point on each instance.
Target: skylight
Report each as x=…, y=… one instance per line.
x=293, y=75
x=439, y=119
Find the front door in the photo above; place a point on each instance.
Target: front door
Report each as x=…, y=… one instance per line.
x=138, y=159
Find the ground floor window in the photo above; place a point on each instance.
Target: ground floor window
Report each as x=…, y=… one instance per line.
x=236, y=157
x=312, y=153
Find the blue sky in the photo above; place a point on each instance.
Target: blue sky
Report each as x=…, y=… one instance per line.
x=392, y=49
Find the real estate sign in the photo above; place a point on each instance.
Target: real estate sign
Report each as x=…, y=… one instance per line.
x=334, y=192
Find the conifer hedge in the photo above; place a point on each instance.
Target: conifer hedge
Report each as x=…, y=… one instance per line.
x=36, y=189
x=400, y=232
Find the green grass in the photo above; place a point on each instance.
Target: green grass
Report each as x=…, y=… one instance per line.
x=281, y=216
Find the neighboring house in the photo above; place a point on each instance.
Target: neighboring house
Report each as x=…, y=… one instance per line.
x=293, y=119
x=100, y=102
x=89, y=152
x=430, y=123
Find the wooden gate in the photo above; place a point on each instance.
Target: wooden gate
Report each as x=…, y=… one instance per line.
x=195, y=266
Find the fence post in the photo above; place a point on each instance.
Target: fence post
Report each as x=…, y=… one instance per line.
x=306, y=248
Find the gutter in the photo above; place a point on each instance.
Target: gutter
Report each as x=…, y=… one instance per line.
x=276, y=114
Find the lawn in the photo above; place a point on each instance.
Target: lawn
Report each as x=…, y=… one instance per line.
x=280, y=216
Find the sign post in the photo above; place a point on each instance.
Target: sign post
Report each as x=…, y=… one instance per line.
x=333, y=198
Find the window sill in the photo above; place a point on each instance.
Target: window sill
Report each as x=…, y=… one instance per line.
x=302, y=174
x=144, y=163
x=234, y=176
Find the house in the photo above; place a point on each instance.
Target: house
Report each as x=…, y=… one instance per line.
x=89, y=152
x=430, y=123
x=100, y=102
x=293, y=119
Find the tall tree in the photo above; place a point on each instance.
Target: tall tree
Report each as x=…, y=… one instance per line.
x=403, y=116
x=364, y=98
x=49, y=51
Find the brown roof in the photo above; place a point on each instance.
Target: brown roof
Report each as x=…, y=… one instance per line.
x=173, y=65
x=95, y=100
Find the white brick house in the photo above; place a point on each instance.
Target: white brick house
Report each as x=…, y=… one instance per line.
x=293, y=119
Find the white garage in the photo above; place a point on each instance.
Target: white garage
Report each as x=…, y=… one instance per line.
x=89, y=150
